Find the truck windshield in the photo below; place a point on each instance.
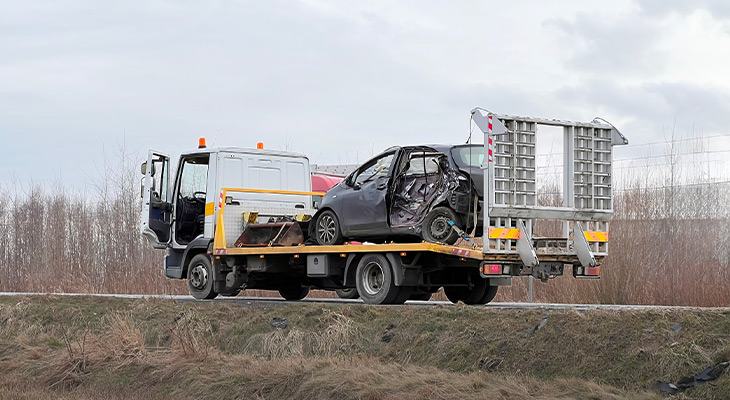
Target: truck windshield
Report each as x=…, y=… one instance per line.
x=193, y=178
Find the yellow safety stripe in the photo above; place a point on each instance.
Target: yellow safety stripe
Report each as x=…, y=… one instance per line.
x=504, y=233
x=209, y=209
x=596, y=236
x=272, y=191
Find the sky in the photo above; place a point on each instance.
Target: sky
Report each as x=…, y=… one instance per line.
x=342, y=80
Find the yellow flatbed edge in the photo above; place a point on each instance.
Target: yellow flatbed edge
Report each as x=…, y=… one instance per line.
x=475, y=254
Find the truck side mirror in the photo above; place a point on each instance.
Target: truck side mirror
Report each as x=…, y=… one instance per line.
x=143, y=168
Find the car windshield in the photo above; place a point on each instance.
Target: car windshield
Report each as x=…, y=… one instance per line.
x=468, y=156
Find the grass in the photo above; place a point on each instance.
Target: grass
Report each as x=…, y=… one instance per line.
x=81, y=347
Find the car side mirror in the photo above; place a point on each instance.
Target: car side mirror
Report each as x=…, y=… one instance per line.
x=356, y=186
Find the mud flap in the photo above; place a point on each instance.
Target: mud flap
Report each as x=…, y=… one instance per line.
x=524, y=247
x=585, y=255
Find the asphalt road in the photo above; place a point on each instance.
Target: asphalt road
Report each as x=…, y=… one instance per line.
x=280, y=301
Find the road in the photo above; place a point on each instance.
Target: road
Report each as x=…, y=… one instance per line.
x=280, y=301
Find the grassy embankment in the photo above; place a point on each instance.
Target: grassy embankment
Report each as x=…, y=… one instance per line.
x=84, y=348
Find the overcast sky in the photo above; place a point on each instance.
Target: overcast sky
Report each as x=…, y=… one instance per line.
x=341, y=80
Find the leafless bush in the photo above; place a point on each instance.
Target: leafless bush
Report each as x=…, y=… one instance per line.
x=669, y=241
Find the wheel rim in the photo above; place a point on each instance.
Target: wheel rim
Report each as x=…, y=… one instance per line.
x=199, y=276
x=440, y=227
x=327, y=228
x=373, y=278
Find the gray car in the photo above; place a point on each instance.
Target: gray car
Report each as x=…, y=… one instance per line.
x=405, y=193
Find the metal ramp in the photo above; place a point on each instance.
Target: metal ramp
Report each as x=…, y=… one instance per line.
x=511, y=186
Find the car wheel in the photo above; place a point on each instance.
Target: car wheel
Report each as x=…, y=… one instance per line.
x=436, y=227
x=200, y=278
x=348, y=293
x=375, y=281
x=327, y=229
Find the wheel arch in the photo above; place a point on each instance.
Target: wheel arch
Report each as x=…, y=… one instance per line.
x=198, y=246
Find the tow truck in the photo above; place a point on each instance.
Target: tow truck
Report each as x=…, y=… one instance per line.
x=237, y=218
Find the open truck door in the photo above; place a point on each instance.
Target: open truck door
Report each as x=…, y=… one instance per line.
x=156, y=218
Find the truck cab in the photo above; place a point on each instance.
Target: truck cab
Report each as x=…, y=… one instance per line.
x=180, y=206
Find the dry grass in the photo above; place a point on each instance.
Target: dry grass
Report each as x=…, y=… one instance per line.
x=110, y=348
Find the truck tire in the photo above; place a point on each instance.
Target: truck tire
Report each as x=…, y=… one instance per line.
x=435, y=227
x=347, y=293
x=374, y=280
x=477, y=291
x=200, y=278
x=327, y=230
x=294, y=293
x=404, y=293
x=489, y=294
x=454, y=293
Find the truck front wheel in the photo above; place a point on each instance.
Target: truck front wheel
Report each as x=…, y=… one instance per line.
x=200, y=278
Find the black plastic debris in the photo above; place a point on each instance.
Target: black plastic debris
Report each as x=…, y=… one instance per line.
x=676, y=328
x=388, y=335
x=667, y=387
x=708, y=374
x=279, y=323
x=649, y=329
x=538, y=326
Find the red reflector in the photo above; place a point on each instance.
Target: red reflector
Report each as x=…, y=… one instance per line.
x=593, y=271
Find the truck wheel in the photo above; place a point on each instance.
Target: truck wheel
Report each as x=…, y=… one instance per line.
x=327, y=229
x=436, y=228
x=489, y=294
x=294, y=292
x=200, y=278
x=455, y=293
x=233, y=293
x=404, y=293
x=476, y=293
x=374, y=280
x=348, y=293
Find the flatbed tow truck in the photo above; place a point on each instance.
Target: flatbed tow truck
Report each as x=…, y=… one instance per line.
x=235, y=219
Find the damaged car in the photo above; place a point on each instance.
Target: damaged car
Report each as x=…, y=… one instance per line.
x=405, y=193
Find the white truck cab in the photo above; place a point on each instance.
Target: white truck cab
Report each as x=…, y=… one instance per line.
x=179, y=207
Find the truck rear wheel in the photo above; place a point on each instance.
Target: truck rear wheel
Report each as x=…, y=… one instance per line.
x=454, y=293
x=200, y=278
x=347, y=293
x=489, y=294
x=374, y=280
x=294, y=292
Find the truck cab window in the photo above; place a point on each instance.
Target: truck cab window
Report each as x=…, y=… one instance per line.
x=190, y=215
